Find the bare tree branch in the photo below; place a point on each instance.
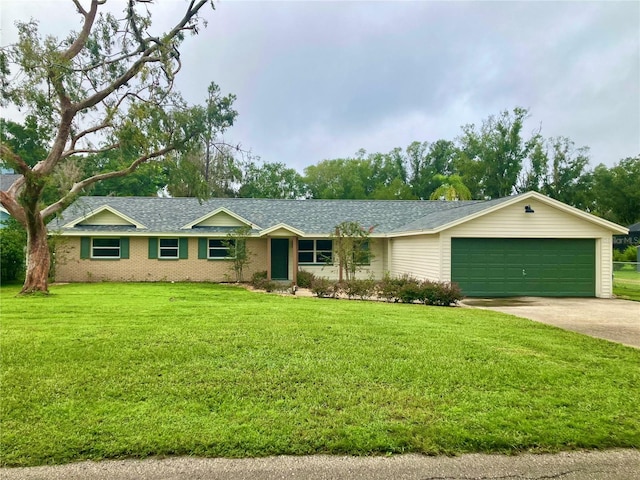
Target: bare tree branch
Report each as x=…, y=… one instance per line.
x=68, y=110
x=79, y=186
x=69, y=153
x=80, y=7
x=84, y=133
x=146, y=58
x=89, y=18
x=9, y=202
x=45, y=166
x=14, y=159
x=111, y=61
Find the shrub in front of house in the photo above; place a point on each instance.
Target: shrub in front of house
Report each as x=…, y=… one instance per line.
x=258, y=278
x=405, y=289
x=387, y=289
x=270, y=286
x=410, y=291
x=323, y=287
x=396, y=289
x=259, y=281
x=305, y=279
x=284, y=287
x=337, y=289
x=441, y=294
x=362, y=289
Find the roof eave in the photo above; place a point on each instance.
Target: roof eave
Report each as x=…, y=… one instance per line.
x=615, y=228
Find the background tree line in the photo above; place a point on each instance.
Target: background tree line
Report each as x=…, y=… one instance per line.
x=494, y=159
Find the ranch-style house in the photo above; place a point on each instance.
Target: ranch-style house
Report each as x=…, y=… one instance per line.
x=526, y=244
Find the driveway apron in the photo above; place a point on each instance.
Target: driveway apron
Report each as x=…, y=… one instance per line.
x=611, y=319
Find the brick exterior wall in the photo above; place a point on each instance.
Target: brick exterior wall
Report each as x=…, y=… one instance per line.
x=139, y=268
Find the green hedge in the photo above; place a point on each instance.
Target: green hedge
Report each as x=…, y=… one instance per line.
x=405, y=289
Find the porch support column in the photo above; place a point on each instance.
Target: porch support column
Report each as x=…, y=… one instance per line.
x=268, y=258
x=294, y=276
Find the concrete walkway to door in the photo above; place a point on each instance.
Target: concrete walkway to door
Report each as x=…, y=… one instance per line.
x=612, y=319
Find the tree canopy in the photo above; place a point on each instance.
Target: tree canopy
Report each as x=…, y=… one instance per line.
x=271, y=180
x=616, y=191
x=108, y=87
x=459, y=169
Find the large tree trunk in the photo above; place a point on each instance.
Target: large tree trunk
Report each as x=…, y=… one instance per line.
x=38, y=256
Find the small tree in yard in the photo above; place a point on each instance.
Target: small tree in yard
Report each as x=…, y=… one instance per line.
x=106, y=88
x=236, y=245
x=351, y=248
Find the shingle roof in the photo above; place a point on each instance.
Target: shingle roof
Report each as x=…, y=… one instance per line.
x=7, y=179
x=170, y=215
x=442, y=217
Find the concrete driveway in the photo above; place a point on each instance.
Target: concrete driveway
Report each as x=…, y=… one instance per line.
x=611, y=319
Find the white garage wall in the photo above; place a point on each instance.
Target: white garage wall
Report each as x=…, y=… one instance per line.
x=546, y=222
x=418, y=256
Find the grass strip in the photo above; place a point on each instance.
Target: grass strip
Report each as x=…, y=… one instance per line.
x=626, y=284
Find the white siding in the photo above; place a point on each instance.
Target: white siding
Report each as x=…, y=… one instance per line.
x=375, y=270
x=378, y=260
x=384, y=255
x=546, y=222
x=326, y=271
x=418, y=256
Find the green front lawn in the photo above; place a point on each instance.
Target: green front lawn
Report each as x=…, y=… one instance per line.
x=134, y=370
x=626, y=284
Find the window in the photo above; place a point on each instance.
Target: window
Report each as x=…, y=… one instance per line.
x=168, y=248
x=364, y=256
x=99, y=248
x=315, y=251
x=105, y=248
x=218, y=249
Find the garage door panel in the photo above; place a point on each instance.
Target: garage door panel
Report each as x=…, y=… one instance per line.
x=534, y=267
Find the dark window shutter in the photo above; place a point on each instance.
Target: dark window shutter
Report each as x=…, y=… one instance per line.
x=183, y=249
x=85, y=247
x=202, y=248
x=153, y=247
x=124, y=247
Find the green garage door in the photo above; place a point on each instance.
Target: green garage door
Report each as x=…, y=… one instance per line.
x=506, y=267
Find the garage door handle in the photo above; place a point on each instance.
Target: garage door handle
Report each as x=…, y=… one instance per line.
x=524, y=272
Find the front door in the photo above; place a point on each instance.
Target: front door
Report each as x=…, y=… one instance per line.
x=280, y=258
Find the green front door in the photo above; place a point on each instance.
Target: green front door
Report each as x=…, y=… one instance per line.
x=280, y=258
x=541, y=267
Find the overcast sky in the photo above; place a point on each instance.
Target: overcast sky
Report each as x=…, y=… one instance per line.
x=320, y=80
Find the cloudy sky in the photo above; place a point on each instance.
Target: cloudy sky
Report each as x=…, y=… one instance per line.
x=318, y=80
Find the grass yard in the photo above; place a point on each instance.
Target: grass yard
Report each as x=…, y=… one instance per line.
x=134, y=370
x=626, y=284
